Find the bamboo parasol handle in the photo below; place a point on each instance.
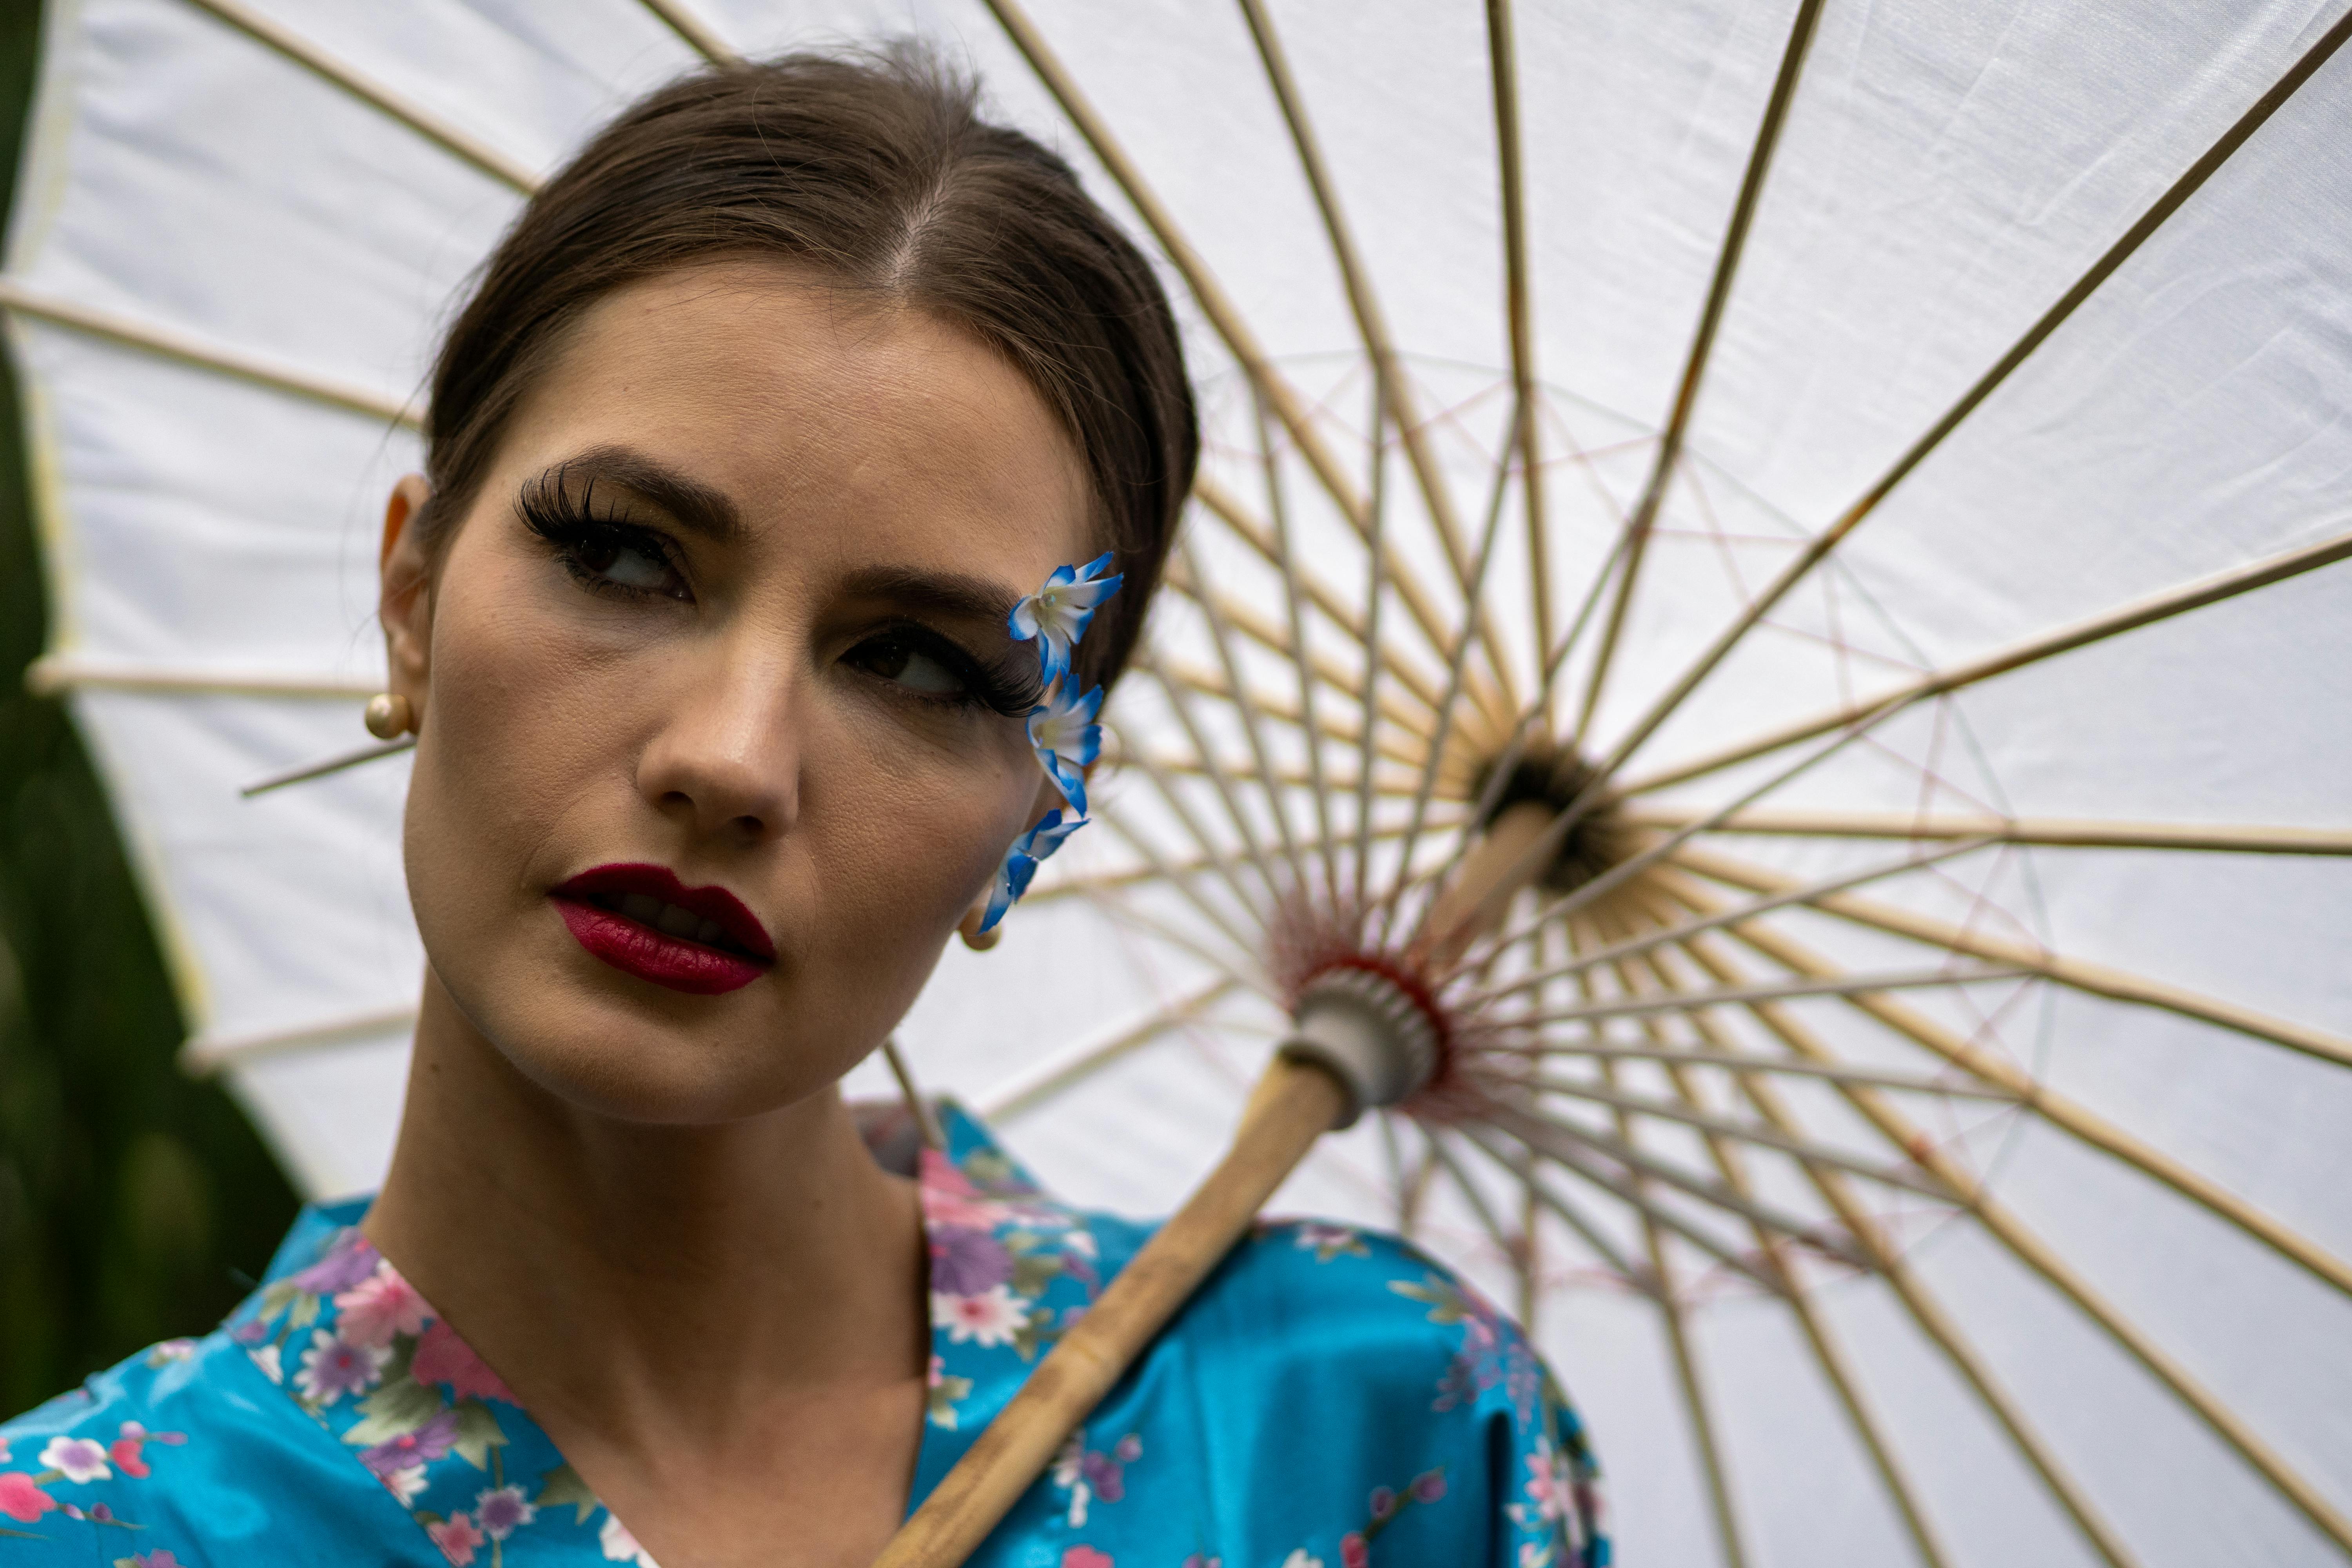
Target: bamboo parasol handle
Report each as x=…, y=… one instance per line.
x=1294, y=1103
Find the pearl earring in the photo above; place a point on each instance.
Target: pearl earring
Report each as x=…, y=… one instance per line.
x=390, y=715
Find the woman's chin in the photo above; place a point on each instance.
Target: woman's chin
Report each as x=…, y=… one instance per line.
x=615, y=1047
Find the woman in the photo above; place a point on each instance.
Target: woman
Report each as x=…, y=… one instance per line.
x=761, y=463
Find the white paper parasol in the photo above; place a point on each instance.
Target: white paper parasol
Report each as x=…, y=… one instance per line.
x=1924, y=514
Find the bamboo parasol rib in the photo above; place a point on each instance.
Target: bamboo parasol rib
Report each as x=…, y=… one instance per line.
x=1027, y=1092
x=1280, y=398
x=2096, y=979
x=1823, y=543
x=696, y=33
x=1644, y=517
x=1279, y=511
x=1518, y=305
x=1396, y=391
x=189, y=348
x=2058, y=1110
x=2195, y=595
x=1830, y=1359
x=2037, y=1256
x=302, y=52
x=2235, y=838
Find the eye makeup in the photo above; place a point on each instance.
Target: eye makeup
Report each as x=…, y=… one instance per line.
x=1009, y=685
x=606, y=552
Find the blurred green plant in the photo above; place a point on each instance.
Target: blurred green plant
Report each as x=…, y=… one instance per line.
x=134, y=1202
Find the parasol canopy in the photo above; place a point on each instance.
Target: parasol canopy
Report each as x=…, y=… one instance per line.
x=1845, y=502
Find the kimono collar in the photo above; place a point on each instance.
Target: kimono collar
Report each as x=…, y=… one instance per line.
x=344, y=1336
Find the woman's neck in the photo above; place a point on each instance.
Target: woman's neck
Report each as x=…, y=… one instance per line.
x=652, y=1290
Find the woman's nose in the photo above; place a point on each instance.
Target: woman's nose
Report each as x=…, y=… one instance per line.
x=726, y=759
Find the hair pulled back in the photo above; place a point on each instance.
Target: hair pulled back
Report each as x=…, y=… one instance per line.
x=879, y=174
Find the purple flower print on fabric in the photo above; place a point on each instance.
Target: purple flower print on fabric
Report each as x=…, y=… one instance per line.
x=333, y=1367
x=344, y=1266
x=1492, y=1353
x=966, y=1261
x=422, y=1446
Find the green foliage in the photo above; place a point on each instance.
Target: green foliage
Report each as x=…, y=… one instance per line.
x=134, y=1202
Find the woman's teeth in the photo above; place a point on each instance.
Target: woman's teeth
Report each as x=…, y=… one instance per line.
x=685, y=924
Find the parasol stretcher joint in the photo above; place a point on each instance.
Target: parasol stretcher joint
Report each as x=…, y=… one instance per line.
x=1374, y=1039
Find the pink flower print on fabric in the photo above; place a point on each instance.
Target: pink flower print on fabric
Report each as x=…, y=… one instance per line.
x=128, y=1449
x=21, y=1499
x=991, y=1318
x=1354, y=1550
x=456, y=1537
x=155, y=1559
x=442, y=1357
x=333, y=1367
x=1551, y=1492
x=502, y=1510
x=951, y=1201
x=78, y=1459
x=1085, y=1557
x=377, y=1308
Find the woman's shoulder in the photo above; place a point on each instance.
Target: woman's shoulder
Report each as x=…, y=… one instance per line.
x=1403, y=1393
x=189, y=1453
x=1308, y=1298
x=185, y=1442
x=125, y=1425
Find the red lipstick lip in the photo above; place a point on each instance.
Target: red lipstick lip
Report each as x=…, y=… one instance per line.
x=590, y=907
x=714, y=903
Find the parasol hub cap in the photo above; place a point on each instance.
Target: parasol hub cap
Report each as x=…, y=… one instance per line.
x=1366, y=1030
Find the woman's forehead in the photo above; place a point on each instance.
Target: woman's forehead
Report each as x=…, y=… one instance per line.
x=806, y=404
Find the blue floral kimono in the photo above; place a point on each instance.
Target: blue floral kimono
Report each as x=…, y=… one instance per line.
x=1331, y=1399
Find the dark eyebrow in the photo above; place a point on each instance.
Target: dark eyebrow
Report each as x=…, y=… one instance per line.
x=941, y=593
x=694, y=506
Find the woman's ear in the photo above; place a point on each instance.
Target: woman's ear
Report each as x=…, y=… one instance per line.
x=404, y=603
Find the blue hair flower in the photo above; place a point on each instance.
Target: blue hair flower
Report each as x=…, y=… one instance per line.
x=1063, y=729
x=1029, y=851
x=1057, y=615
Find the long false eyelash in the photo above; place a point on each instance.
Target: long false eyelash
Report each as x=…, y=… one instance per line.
x=1010, y=685
x=549, y=511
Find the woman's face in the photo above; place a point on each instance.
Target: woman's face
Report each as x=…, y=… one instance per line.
x=720, y=720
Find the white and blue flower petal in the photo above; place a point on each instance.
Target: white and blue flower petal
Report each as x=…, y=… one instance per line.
x=1056, y=616
x=1067, y=740
x=1029, y=851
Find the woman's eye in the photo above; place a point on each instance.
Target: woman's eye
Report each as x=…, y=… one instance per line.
x=896, y=659
x=627, y=563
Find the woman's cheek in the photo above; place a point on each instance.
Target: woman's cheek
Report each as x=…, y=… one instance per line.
x=519, y=717
x=931, y=826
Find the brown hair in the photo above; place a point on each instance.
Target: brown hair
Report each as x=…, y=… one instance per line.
x=878, y=172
